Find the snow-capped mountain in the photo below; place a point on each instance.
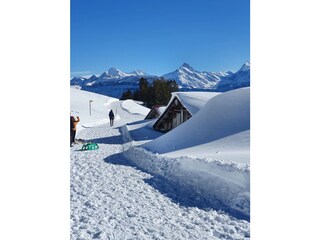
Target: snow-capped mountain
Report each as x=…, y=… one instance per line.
x=187, y=77
x=114, y=81
x=237, y=80
x=77, y=80
x=139, y=72
x=113, y=74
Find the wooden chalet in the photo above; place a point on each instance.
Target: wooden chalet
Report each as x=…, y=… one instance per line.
x=182, y=106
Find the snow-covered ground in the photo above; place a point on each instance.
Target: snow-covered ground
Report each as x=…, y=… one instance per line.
x=115, y=196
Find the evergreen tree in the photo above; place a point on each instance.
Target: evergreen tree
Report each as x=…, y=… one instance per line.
x=143, y=89
x=126, y=95
x=157, y=93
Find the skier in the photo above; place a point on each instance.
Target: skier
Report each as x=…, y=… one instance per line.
x=73, y=128
x=111, y=117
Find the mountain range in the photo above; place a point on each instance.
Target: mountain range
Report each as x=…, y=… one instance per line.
x=114, y=82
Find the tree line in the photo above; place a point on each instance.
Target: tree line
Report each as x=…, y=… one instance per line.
x=156, y=93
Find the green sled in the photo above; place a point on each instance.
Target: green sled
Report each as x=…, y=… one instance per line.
x=89, y=146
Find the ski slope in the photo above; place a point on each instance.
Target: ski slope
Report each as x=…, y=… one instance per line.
x=112, y=198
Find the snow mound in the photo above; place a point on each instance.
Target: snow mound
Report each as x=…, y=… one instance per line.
x=134, y=108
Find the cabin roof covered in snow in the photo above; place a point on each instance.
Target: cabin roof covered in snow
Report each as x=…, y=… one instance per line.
x=193, y=101
x=156, y=111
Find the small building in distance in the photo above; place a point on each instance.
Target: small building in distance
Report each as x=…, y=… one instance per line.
x=155, y=111
x=181, y=107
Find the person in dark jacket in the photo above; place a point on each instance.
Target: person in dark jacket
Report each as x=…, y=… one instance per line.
x=73, y=128
x=111, y=117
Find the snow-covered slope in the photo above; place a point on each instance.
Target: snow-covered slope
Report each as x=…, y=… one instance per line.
x=100, y=107
x=80, y=106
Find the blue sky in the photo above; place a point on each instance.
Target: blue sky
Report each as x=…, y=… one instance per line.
x=157, y=36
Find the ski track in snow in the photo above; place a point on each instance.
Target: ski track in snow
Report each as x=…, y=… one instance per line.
x=114, y=201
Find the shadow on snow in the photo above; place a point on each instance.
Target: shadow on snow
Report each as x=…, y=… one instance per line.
x=117, y=139
x=177, y=193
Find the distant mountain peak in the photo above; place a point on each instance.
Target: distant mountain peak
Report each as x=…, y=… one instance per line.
x=116, y=72
x=138, y=72
x=103, y=75
x=93, y=77
x=186, y=65
x=245, y=66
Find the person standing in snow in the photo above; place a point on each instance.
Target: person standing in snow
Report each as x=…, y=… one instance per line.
x=111, y=117
x=73, y=128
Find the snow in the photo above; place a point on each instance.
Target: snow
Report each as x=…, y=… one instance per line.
x=123, y=191
x=80, y=106
x=245, y=66
x=233, y=148
x=116, y=72
x=187, y=77
x=161, y=109
x=193, y=101
x=103, y=75
x=134, y=108
x=138, y=72
x=239, y=79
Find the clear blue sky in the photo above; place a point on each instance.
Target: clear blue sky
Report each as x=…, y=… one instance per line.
x=157, y=36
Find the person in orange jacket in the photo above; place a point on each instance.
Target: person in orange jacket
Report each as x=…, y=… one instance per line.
x=73, y=128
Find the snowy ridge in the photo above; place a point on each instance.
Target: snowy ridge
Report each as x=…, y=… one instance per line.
x=187, y=77
x=237, y=80
x=225, y=185
x=114, y=81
